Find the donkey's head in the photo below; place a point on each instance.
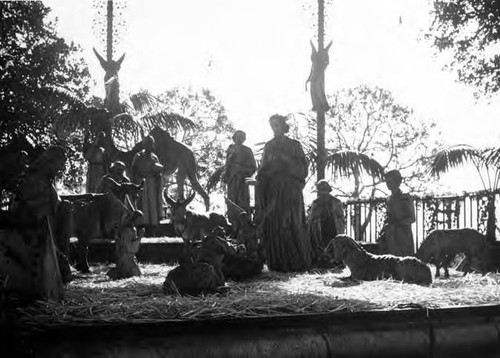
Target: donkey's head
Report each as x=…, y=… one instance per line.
x=178, y=211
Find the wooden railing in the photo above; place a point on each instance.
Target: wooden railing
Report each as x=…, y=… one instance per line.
x=446, y=212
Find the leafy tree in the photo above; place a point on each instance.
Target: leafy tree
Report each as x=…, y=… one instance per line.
x=470, y=31
x=486, y=161
x=368, y=133
x=33, y=57
x=367, y=123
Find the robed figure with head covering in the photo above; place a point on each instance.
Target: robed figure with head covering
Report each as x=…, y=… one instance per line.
x=240, y=165
x=146, y=167
x=280, y=203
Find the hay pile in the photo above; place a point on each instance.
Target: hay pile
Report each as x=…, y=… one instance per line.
x=95, y=298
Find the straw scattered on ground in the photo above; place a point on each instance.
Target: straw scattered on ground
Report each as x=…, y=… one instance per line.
x=95, y=298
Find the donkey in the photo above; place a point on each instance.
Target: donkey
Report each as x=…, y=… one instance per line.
x=193, y=226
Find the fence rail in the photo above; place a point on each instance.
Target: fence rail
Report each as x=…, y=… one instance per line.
x=446, y=212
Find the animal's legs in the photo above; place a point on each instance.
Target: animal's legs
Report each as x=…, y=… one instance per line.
x=181, y=178
x=195, y=184
x=197, y=187
x=467, y=265
x=446, y=263
x=82, y=264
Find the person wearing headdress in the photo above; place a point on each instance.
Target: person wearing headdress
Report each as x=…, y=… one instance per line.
x=114, y=180
x=279, y=201
x=240, y=164
x=396, y=237
x=37, y=207
x=326, y=218
x=96, y=156
x=146, y=166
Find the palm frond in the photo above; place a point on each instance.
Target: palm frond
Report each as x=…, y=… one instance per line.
x=62, y=98
x=347, y=163
x=492, y=156
x=167, y=120
x=143, y=102
x=215, y=178
x=453, y=157
x=66, y=124
x=127, y=128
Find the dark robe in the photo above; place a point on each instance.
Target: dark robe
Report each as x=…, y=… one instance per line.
x=326, y=220
x=280, y=205
x=397, y=237
x=147, y=166
x=240, y=164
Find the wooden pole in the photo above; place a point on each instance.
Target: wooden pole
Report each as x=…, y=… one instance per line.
x=109, y=29
x=320, y=115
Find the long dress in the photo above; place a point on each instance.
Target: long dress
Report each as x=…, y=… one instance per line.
x=280, y=205
x=398, y=237
x=326, y=220
x=240, y=164
x=96, y=167
x=146, y=165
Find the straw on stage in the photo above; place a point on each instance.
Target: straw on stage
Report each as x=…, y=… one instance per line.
x=95, y=298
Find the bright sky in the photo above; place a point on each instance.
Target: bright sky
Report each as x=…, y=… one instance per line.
x=255, y=57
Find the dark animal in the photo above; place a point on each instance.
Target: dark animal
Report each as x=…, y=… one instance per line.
x=193, y=226
x=366, y=266
x=200, y=269
x=441, y=246
x=245, y=258
x=177, y=158
x=90, y=216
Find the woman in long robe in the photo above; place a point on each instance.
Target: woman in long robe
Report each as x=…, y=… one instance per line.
x=280, y=204
x=240, y=165
x=97, y=158
x=147, y=167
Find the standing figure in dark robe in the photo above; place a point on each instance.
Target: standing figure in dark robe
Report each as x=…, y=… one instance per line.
x=326, y=219
x=95, y=154
x=396, y=237
x=240, y=164
x=147, y=167
x=37, y=208
x=279, y=201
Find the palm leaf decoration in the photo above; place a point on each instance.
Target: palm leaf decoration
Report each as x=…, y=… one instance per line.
x=141, y=112
x=347, y=162
x=127, y=128
x=215, y=178
x=151, y=112
x=492, y=156
x=453, y=157
x=61, y=98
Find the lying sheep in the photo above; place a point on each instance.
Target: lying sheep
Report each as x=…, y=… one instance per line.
x=367, y=266
x=200, y=267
